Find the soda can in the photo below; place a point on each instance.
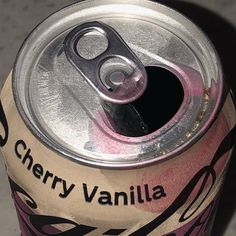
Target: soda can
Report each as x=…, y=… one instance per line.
x=116, y=121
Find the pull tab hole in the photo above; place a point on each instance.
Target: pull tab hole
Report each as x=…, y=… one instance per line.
x=162, y=98
x=92, y=44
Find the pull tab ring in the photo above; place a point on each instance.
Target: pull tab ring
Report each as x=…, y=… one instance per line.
x=119, y=86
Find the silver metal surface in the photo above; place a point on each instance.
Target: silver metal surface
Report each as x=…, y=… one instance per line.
x=125, y=86
x=65, y=112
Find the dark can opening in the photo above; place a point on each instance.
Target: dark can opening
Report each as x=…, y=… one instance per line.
x=159, y=103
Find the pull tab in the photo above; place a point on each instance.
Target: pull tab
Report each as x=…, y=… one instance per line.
x=117, y=75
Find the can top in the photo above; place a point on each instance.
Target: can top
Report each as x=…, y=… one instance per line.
x=67, y=114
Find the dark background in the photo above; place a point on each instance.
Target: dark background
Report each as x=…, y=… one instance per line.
x=216, y=17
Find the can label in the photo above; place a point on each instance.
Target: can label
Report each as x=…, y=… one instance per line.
x=56, y=196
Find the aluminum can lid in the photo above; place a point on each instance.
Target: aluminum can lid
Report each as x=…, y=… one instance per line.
x=67, y=114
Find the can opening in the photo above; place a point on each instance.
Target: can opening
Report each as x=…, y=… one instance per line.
x=162, y=98
x=159, y=103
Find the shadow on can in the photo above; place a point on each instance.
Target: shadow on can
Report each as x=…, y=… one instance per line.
x=223, y=36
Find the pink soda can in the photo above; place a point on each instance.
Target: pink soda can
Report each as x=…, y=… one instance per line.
x=116, y=120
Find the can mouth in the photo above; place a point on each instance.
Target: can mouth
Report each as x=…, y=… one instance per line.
x=160, y=102
x=162, y=98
